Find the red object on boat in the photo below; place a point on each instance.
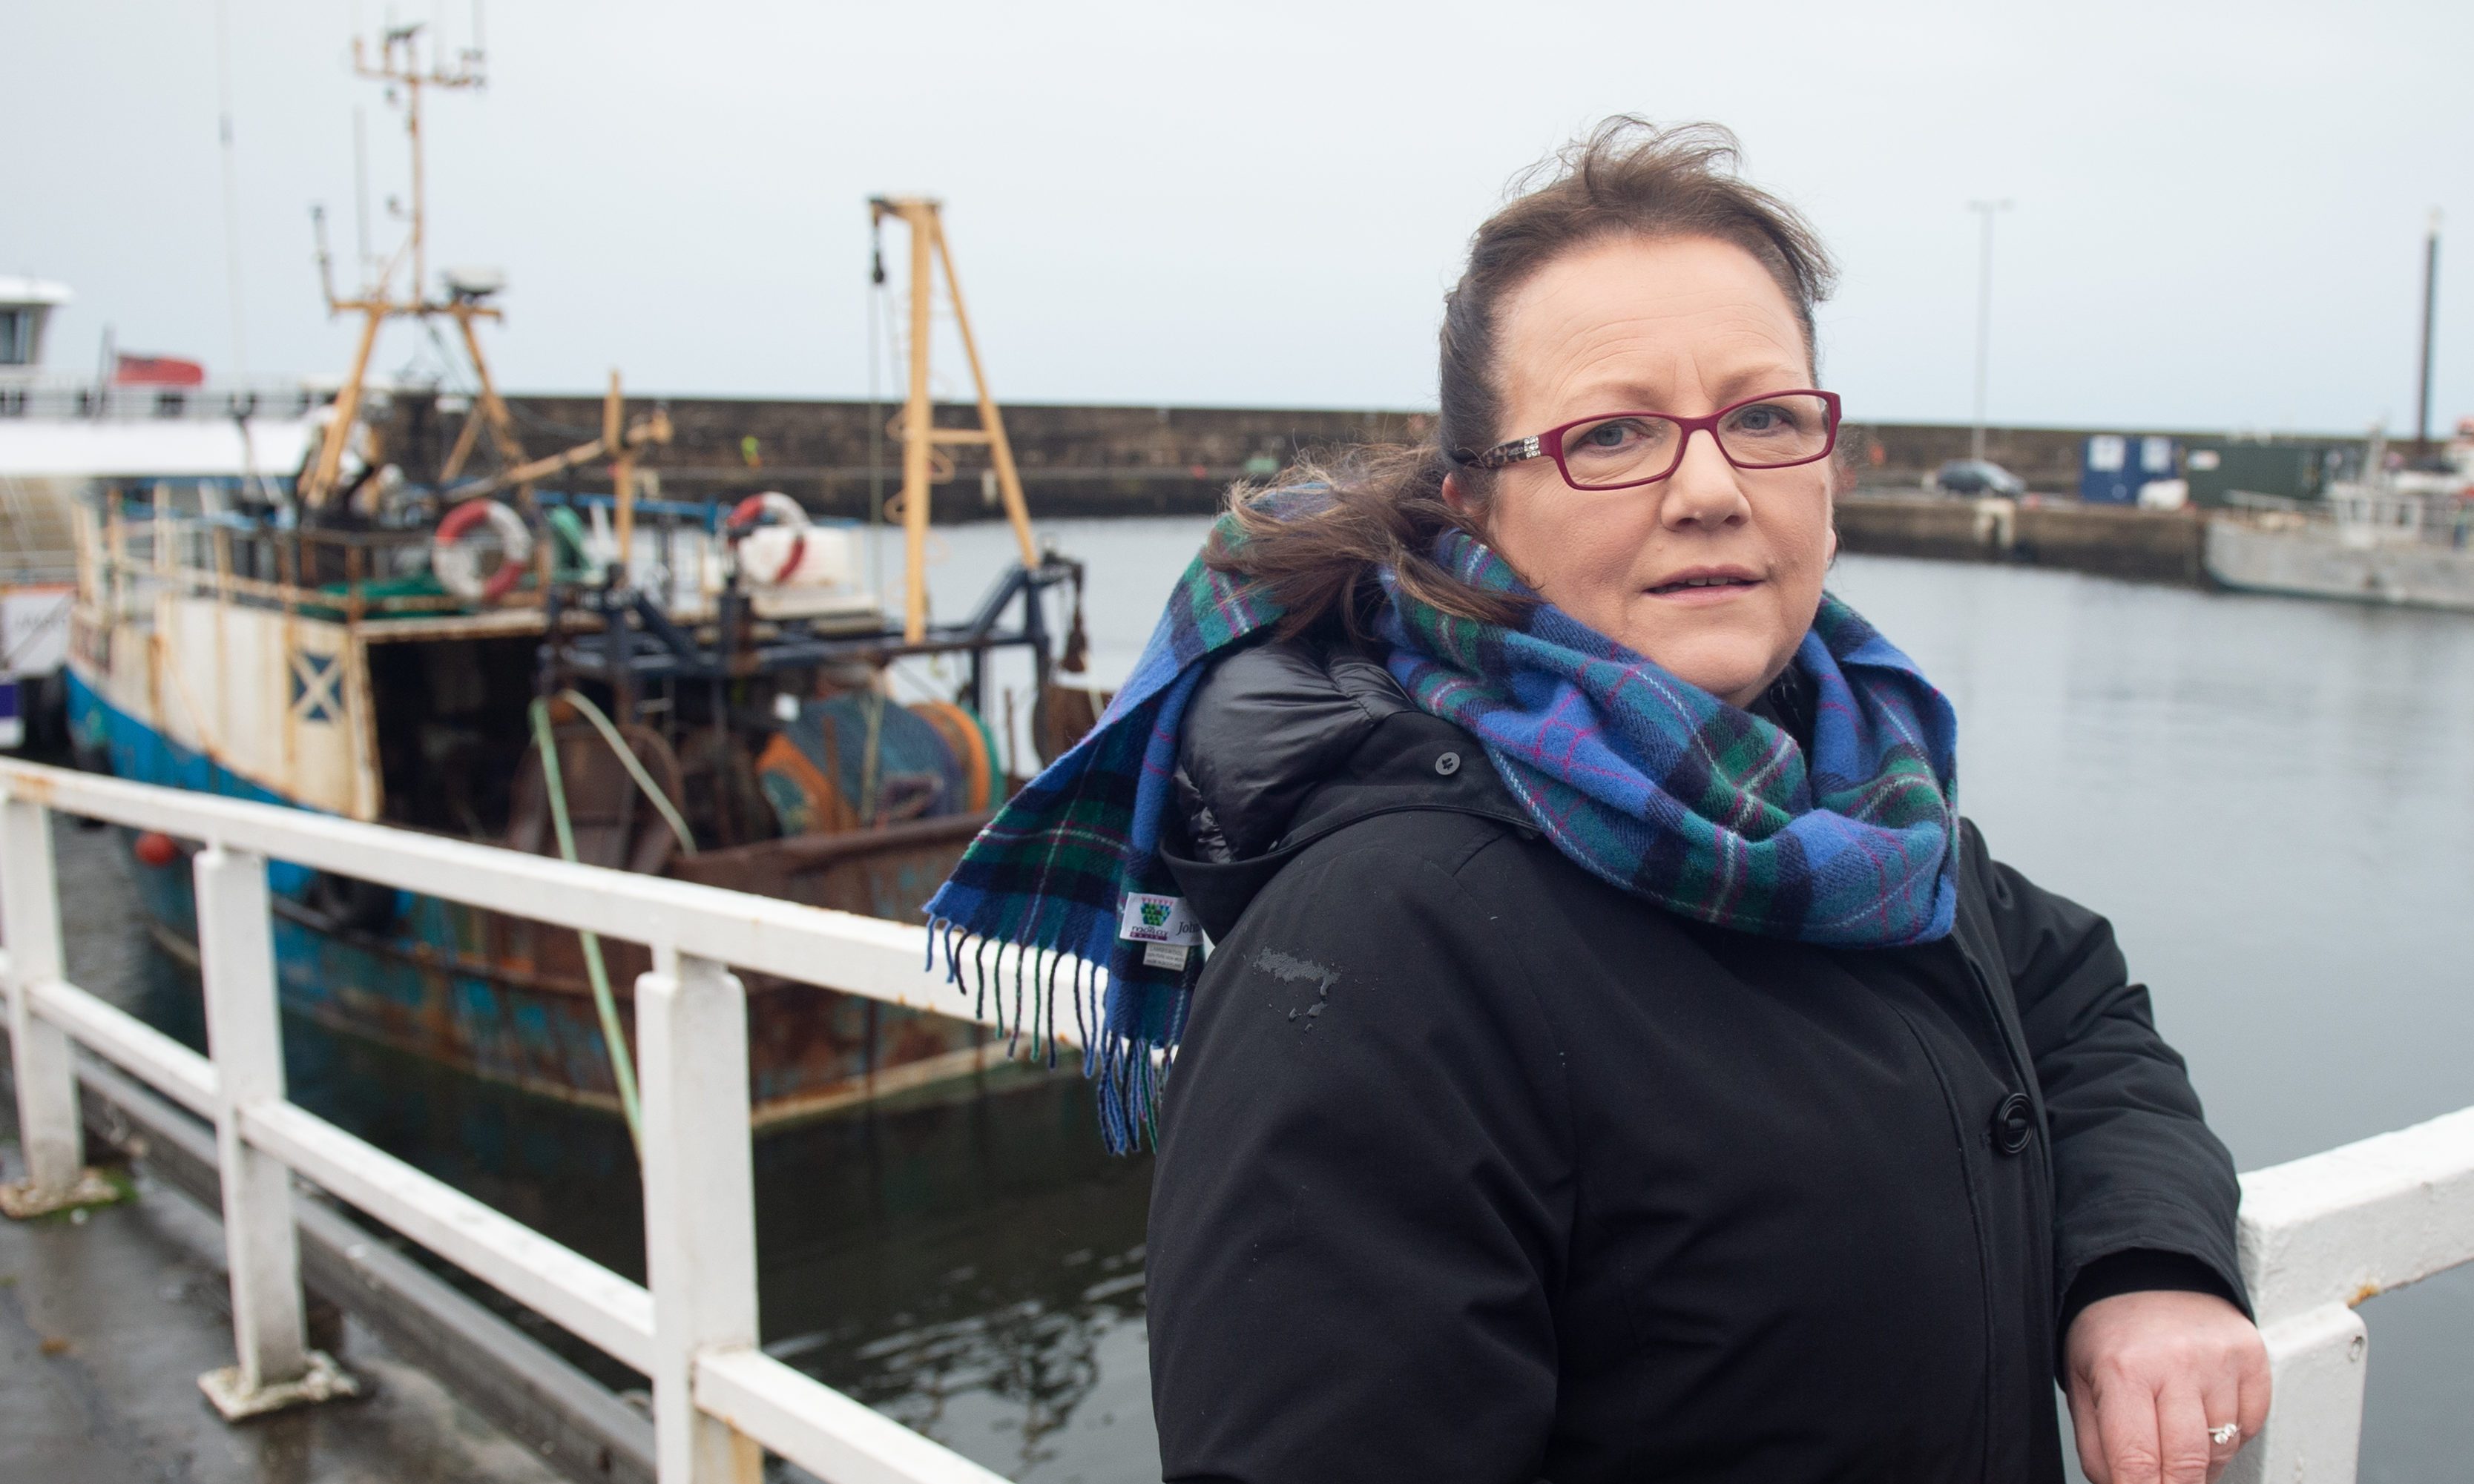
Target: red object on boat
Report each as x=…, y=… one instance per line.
x=746, y=512
x=154, y=848
x=473, y=513
x=157, y=371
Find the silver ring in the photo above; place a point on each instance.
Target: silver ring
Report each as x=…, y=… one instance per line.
x=2220, y=1436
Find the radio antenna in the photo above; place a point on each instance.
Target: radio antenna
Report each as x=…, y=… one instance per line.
x=398, y=63
x=360, y=192
x=232, y=188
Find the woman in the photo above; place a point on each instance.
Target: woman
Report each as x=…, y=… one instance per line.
x=1616, y=1060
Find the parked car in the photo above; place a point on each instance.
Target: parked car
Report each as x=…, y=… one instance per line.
x=1975, y=477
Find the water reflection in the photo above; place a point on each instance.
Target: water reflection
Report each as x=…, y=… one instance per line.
x=973, y=1270
x=1018, y=1372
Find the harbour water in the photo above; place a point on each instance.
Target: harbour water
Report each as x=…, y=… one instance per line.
x=2271, y=798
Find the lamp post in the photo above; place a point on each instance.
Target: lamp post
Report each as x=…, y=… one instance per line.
x=1988, y=210
x=2430, y=307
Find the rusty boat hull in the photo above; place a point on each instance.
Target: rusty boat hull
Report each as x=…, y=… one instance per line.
x=505, y=999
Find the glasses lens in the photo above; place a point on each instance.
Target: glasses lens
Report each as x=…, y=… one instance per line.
x=1776, y=431
x=1618, y=450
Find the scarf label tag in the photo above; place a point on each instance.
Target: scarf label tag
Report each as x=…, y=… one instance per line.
x=1147, y=919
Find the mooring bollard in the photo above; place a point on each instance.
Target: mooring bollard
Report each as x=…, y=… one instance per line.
x=48, y=1129
x=277, y=1368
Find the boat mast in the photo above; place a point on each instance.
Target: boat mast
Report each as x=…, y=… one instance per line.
x=399, y=65
x=920, y=435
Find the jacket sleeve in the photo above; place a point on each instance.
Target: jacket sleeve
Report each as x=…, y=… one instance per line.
x=2134, y=1165
x=1363, y=1192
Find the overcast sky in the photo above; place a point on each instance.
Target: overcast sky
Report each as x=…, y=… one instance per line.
x=2219, y=221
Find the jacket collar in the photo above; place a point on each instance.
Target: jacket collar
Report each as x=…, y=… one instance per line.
x=1289, y=741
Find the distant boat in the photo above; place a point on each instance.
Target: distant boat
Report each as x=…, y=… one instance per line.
x=2403, y=537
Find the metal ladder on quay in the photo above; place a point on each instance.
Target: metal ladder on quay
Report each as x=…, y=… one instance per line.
x=2319, y=1235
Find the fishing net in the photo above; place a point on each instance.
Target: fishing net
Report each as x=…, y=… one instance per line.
x=865, y=760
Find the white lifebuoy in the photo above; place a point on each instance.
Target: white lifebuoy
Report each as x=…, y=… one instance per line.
x=457, y=563
x=787, y=517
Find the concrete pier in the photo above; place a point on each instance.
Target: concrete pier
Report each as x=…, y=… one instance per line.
x=484, y=1379
x=2110, y=541
x=109, y=1316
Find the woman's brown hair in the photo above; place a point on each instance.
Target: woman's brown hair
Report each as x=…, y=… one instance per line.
x=1628, y=179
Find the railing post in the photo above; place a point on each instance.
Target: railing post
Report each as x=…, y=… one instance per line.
x=699, y=1205
x=2314, y=1425
x=245, y=1036
x=48, y=1129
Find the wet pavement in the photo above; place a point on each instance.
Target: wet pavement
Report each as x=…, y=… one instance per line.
x=107, y=1317
x=969, y=1261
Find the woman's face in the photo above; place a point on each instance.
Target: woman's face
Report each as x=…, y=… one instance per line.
x=1685, y=326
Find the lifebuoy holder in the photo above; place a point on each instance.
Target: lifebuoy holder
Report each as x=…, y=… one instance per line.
x=457, y=564
x=786, y=511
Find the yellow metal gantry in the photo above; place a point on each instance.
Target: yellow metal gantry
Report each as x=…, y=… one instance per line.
x=918, y=431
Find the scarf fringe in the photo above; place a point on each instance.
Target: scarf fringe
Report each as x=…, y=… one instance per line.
x=1126, y=1071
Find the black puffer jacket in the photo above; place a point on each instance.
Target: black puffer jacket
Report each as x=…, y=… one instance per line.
x=1476, y=1168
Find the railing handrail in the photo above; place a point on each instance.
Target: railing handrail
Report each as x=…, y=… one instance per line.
x=2318, y=1235
x=691, y=1328
x=886, y=961
x=2351, y=1223
x=119, y=404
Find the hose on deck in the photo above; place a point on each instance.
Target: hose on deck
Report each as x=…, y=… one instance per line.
x=634, y=765
x=614, y=1037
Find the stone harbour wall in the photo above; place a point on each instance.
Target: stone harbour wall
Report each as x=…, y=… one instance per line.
x=1083, y=460
x=2111, y=540
x=836, y=457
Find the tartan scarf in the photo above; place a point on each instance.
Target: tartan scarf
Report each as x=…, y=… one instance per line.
x=1644, y=779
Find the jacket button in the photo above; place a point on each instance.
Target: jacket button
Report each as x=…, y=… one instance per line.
x=2014, y=1123
x=1448, y=764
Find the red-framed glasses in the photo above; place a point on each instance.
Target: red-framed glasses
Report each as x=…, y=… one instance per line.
x=1618, y=450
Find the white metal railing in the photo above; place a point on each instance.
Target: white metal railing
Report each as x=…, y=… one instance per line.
x=2319, y=1235
x=691, y=1328
x=46, y=398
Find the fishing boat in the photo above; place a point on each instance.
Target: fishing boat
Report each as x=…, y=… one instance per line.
x=2399, y=537
x=497, y=653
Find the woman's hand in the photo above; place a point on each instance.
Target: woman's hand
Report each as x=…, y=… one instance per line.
x=2151, y=1373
